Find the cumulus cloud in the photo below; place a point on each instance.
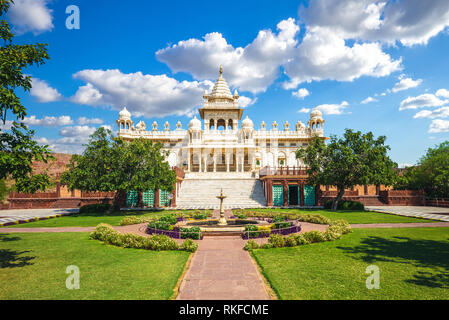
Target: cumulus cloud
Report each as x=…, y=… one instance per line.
x=406, y=83
x=369, y=100
x=409, y=22
x=438, y=126
x=335, y=109
x=432, y=114
x=7, y=125
x=84, y=121
x=301, y=93
x=252, y=68
x=76, y=131
x=304, y=110
x=43, y=92
x=31, y=16
x=246, y=102
x=324, y=55
x=48, y=121
x=143, y=94
x=442, y=93
x=421, y=101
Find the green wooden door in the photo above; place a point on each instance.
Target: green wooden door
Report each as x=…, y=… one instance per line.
x=132, y=199
x=309, y=195
x=164, y=201
x=148, y=198
x=278, y=196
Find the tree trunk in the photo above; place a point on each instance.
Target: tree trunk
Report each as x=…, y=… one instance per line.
x=341, y=192
x=116, y=203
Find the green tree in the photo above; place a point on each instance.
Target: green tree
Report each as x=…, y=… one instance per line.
x=431, y=173
x=355, y=159
x=17, y=148
x=112, y=164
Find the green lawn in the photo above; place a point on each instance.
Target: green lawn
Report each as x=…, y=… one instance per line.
x=90, y=219
x=32, y=266
x=414, y=264
x=353, y=217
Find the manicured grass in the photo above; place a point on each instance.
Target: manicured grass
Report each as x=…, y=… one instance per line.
x=33, y=266
x=353, y=217
x=413, y=263
x=91, y=219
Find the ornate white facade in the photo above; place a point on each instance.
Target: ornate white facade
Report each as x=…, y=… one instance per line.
x=221, y=142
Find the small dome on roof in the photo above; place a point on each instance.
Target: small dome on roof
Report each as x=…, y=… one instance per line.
x=247, y=123
x=124, y=114
x=316, y=114
x=195, y=124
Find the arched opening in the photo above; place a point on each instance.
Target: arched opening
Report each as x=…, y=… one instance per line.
x=230, y=124
x=211, y=124
x=221, y=124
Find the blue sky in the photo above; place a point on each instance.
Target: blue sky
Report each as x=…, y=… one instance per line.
x=367, y=65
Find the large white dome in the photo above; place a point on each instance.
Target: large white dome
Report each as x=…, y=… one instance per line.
x=247, y=123
x=195, y=124
x=124, y=114
x=316, y=114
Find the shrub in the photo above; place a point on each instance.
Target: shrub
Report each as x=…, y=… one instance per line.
x=276, y=240
x=300, y=239
x=250, y=245
x=266, y=246
x=341, y=226
x=314, y=236
x=346, y=205
x=241, y=216
x=170, y=219
x=251, y=230
x=290, y=241
x=264, y=230
x=130, y=220
x=95, y=208
x=191, y=233
x=282, y=225
x=161, y=225
x=314, y=218
x=189, y=246
x=279, y=218
x=200, y=216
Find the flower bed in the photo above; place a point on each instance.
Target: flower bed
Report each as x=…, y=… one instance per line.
x=254, y=232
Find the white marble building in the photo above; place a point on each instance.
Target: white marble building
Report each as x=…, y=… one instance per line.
x=220, y=141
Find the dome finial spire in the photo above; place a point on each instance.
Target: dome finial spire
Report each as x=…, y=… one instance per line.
x=221, y=70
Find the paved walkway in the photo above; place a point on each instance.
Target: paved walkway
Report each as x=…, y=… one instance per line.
x=28, y=214
x=222, y=270
x=434, y=213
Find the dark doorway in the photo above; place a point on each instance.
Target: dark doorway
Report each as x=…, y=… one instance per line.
x=293, y=195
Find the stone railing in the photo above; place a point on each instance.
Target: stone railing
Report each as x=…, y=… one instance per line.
x=283, y=171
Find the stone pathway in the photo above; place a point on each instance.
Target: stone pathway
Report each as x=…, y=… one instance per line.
x=222, y=270
x=434, y=213
x=8, y=216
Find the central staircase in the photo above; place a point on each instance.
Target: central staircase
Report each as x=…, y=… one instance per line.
x=200, y=191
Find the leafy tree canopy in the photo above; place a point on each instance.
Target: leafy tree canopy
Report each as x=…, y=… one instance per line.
x=112, y=164
x=17, y=148
x=355, y=159
x=431, y=174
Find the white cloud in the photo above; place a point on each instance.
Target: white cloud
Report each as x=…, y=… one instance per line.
x=252, y=68
x=84, y=121
x=31, y=15
x=304, y=110
x=438, y=126
x=336, y=109
x=143, y=95
x=408, y=22
x=421, y=101
x=246, y=102
x=323, y=55
x=7, y=125
x=442, y=93
x=77, y=131
x=301, y=93
x=43, y=92
x=369, y=100
x=432, y=114
x=406, y=83
x=48, y=121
